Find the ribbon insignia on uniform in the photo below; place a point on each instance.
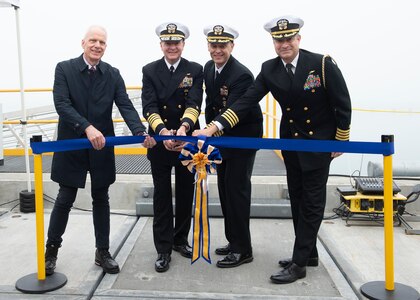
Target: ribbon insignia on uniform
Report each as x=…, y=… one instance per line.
x=312, y=82
x=200, y=159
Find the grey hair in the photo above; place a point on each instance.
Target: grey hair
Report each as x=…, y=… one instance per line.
x=96, y=28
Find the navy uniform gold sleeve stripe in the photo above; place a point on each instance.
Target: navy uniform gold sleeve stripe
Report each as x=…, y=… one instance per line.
x=218, y=133
x=342, y=134
x=230, y=117
x=192, y=114
x=154, y=120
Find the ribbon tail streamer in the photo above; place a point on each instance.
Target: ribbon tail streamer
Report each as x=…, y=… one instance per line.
x=196, y=244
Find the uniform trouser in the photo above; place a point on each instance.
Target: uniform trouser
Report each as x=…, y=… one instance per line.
x=307, y=191
x=60, y=215
x=234, y=184
x=165, y=235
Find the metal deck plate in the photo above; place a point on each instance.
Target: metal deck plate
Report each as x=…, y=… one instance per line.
x=266, y=163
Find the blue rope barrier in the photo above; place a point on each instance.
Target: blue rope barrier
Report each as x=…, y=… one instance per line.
x=228, y=142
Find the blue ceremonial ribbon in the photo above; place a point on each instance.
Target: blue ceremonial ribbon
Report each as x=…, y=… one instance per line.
x=302, y=145
x=229, y=142
x=200, y=159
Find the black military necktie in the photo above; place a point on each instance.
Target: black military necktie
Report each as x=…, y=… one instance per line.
x=289, y=71
x=172, y=70
x=216, y=75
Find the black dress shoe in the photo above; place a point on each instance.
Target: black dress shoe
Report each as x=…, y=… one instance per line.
x=312, y=262
x=289, y=274
x=104, y=259
x=184, y=250
x=162, y=262
x=225, y=250
x=234, y=259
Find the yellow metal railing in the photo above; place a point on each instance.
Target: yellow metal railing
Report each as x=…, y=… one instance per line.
x=21, y=152
x=271, y=120
x=53, y=121
x=270, y=117
x=36, y=90
x=117, y=150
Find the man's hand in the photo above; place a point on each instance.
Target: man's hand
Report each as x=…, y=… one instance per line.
x=336, y=154
x=169, y=144
x=181, y=131
x=206, y=131
x=95, y=137
x=178, y=145
x=148, y=142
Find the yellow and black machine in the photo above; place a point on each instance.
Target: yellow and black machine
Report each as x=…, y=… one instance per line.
x=361, y=203
x=367, y=198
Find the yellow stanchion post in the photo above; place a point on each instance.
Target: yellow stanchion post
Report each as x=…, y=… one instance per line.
x=38, y=283
x=388, y=290
x=388, y=224
x=39, y=214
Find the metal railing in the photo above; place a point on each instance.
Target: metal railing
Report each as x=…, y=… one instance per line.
x=43, y=121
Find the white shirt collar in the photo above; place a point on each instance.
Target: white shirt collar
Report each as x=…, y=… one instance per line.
x=294, y=63
x=218, y=69
x=89, y=65
x=175, y=64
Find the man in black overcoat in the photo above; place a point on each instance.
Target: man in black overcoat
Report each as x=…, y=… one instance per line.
x=85, y=90
x=226, y=80
x=315, y=105
x=171, y=97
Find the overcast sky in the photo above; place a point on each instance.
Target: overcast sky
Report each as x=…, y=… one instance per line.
x=375, y=43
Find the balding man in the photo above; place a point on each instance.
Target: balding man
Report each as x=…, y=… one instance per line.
x=85, y=90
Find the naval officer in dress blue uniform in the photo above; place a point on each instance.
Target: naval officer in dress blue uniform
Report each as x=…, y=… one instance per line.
x=226, y=79
x=171, y=97
x=315, y=105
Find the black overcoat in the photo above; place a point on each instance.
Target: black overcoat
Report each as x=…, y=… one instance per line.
x=80, y=101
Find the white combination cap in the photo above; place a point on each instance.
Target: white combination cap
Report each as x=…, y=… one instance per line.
x=284, y=27
x=172, y=31
x=220, y=33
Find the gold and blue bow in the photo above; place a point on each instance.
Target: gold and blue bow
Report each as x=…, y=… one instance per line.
x=200, y=159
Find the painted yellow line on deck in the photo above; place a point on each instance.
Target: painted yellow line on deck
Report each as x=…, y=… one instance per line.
x=118, y=151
